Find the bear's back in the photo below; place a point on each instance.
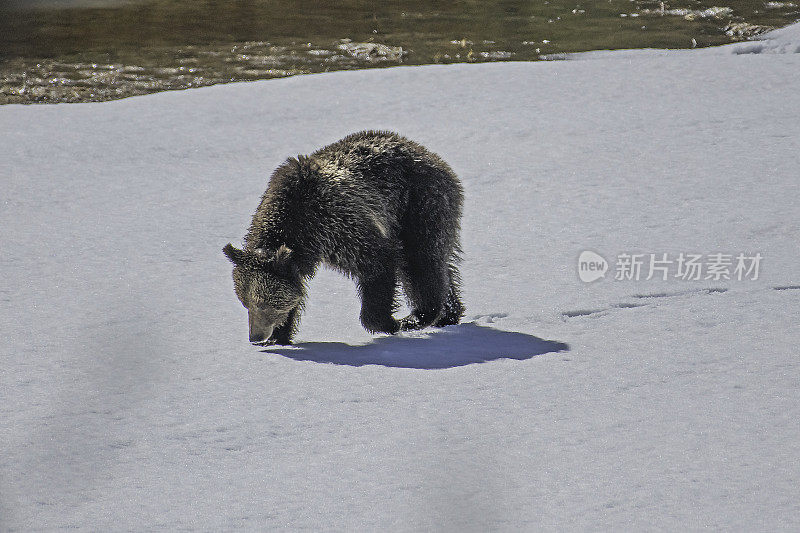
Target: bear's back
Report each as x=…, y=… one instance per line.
x=371, y=157
x=365, y=186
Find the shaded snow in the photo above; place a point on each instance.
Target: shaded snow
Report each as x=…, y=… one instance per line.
x=131, y=400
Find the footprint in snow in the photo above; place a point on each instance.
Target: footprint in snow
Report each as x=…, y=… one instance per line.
x=651, y=301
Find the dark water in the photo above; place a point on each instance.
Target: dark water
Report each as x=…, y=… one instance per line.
x=93, y=50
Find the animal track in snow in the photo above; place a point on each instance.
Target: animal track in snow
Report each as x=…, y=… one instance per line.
x=631, y=305
x=712, y=290
x=583, y=312
x=488, y=319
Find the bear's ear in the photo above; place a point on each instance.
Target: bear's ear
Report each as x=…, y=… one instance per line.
x=283, y=259
x=234, y=254
x=282, y=254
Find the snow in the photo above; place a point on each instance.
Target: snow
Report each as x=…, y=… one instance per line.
x=130, y=398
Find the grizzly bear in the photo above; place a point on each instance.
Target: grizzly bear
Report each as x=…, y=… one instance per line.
x=375, y=206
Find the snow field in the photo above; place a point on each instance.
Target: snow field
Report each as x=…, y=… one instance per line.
x=131, y=400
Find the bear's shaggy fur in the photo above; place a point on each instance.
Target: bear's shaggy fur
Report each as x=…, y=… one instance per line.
x=376, y=206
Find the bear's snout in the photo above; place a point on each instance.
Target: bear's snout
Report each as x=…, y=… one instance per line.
x=259, y=330
x=257, y=337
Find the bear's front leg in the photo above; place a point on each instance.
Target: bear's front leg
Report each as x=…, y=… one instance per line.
x=283, y=334
x=378, y=303
x=415, y=321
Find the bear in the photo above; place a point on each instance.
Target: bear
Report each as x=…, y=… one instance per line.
x=375, y=206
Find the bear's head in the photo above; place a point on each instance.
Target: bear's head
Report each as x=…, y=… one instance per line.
x=267, y=285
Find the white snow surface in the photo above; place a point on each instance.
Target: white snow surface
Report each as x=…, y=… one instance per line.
x=130, y=399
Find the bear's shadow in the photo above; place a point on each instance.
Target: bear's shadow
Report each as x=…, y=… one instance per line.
x=448, y=347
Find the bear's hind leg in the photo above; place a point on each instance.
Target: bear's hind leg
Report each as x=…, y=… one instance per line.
x=424, y=286
x=453, y=308
x=426, y=309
